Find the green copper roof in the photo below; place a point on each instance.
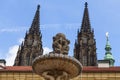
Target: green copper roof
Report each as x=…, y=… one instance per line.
x=108, y=57
x=108, y=54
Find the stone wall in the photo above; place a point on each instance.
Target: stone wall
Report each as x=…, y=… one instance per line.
x=31, y=76
x=19, y=76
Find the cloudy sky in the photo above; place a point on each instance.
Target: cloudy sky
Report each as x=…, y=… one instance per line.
x=58, y=16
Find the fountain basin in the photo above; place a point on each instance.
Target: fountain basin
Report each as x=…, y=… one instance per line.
x=57, y=62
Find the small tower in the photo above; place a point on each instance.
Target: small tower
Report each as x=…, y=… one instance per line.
x=108, y=54
x=85, y=45
x=31, y=47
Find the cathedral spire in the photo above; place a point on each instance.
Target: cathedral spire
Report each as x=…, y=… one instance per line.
x=108, y=54
x=35, y=24
x=85, y=27
x=31, y=47
x=85, y=45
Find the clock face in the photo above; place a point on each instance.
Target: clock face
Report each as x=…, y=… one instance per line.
x=84, y=40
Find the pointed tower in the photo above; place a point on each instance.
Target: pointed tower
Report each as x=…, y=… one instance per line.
x=85, y=45
x=108, y=54
x=31, y=47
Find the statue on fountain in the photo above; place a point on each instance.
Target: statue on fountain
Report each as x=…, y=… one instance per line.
x=60, y=44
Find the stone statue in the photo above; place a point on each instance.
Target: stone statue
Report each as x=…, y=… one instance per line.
x=60, y=44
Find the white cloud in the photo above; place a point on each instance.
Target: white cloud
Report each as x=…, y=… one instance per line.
x=11, y=55
x=46, y=50
x=9, y=30
x=12, y=52
x=13, y=29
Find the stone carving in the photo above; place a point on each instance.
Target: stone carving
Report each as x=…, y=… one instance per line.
x=64, y=76
x=60, y=44
x=55, y=75
x=47, y=76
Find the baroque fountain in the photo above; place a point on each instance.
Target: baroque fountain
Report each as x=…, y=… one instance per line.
x=57, y=65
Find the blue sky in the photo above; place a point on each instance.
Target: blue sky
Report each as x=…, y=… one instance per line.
x=58, y=16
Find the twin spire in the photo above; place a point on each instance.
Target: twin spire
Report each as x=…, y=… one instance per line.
x=31, y=47
x=86, y=27
x=85, y=45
